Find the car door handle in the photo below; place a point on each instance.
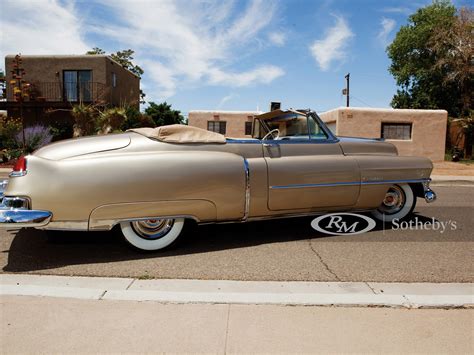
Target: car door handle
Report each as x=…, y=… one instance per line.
x=269, y=145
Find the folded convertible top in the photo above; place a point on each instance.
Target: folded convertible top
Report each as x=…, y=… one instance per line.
x=178, y=133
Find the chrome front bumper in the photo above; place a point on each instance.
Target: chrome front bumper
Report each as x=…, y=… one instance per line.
x=14, y=217
x=428, y=194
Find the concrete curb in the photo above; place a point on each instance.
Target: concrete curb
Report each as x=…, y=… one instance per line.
x=355, y=294
x=439, y=180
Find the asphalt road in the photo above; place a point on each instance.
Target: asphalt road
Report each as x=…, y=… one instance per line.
x=272, y=250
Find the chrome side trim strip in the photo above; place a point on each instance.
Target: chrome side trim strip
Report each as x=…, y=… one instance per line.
x=350, y=183
x=247, y=190
x=302, y=186
x=382, y=182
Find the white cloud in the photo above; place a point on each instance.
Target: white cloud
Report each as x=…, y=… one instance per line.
x=387, y=26
x=277, y=38
x=225, y=99
x=332, y=47
x=179, y=43
x=192, y=42
x=263, y=74
x=49, y=27
x=398, y=10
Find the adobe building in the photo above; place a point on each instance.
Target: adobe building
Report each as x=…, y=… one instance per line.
x=57, y=82
x=413, y=132
x=236, y=124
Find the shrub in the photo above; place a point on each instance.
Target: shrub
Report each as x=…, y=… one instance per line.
x=85, y=120
x=35, y=137
x=111, y=119
x=61, y=130
x=8, y=130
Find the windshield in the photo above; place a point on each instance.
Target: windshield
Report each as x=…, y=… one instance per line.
x=291, y=127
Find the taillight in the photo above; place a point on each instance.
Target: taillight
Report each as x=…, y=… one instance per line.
x=19, y=169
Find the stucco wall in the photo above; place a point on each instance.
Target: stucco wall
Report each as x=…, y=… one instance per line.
x=428, y=135
x=235, y=126
x=127, y=90
x=49, y=69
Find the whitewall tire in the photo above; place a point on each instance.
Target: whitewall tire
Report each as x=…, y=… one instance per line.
x=152, y=234
x=399, y=202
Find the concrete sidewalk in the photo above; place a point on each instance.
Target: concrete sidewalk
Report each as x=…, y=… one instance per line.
x=356, y=294
x=57, y=325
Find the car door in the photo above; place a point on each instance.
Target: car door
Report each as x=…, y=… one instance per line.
x=309, y=171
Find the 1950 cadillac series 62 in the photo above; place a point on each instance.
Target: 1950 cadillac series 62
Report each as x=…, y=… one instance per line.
x=150, y=180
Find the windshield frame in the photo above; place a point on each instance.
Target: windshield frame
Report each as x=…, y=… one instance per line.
x=330, y=137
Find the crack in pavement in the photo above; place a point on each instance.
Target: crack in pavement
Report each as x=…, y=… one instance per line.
x=373, y=290
x=227, y=330
x=322, y=261
x=131, y=283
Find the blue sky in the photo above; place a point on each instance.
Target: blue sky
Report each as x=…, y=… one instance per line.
x=226, y=55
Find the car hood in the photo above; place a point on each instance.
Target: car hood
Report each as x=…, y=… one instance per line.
x=365, y=146
x=82, y=146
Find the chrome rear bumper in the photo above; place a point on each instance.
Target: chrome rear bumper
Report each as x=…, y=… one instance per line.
x=16, y=218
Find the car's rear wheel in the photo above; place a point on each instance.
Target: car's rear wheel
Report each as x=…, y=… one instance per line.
x=152, y=234
x=399, y=202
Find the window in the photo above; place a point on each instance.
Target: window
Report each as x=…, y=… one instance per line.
x=400, y=131
x=248, y=128
x=114, y=80
x=77, y=85
x=216, y=126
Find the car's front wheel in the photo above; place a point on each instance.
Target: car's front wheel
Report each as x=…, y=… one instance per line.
x=152, y=234
x=398, y=203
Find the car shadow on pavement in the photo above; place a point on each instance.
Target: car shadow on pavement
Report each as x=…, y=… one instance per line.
x=34, y=250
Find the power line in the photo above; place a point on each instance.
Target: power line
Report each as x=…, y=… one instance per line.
x=361, y=101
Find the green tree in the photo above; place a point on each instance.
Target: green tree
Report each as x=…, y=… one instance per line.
x=124, y=58
x=421, y=81
x=163, y=115
x=453, y=48
x=95, y=51
x=136, y=119
x=3, y=85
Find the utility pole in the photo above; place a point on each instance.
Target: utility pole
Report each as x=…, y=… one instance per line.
x=347, y=88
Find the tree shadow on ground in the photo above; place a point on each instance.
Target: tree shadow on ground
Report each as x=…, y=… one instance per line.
x=33, y=250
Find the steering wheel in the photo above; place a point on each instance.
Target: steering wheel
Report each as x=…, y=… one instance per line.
x=271, y=134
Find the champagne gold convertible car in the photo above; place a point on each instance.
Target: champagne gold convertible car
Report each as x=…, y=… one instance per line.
x=151, y=180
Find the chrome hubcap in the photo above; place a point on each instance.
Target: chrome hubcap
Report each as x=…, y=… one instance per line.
x=394, y=200
x=151, y=229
